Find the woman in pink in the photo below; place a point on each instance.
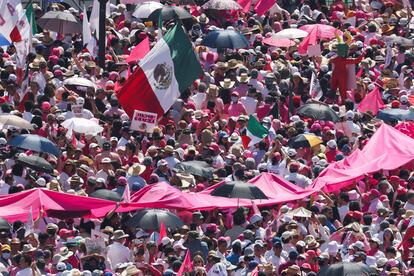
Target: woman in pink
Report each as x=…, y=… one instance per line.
x=235, y=108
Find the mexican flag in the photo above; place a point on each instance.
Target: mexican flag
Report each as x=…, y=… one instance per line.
x=255, y=132
x=167, y=70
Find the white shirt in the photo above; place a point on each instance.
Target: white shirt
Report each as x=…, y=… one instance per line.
x=408, y=206
x=343, y=210
x=25, y=272
x=117, y=253
x=274, y=260
x=172, y=161
x=27, y=116
x=101, y=174
x=375, y=204
x=250, y=104
x=298, y=179
x=4, y=188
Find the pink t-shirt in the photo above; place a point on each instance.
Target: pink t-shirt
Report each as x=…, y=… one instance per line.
x=235, y=109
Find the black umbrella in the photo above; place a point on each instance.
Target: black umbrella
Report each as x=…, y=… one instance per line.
x=238, y=189
x=106, y=194
x=199, y=168
x=318, y=111
x=230, y=39
x=36, y=143
x=342, y=269
x=150, y=219
x=4, y=225
x=36, y=163
x=304, y=141
x=170, y=12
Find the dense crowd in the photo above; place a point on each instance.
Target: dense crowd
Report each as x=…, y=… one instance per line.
x=364, y=222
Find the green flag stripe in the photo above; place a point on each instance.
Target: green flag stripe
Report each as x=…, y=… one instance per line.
x=186, y=65
x=256, y=128
x=31, y=18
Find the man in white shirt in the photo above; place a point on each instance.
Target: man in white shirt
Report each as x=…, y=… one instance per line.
x=117, y=252
x=169, y=157
x=375, y=204
x=24, y=265
x=274, y=256
x=250, y=102
x=297, y=178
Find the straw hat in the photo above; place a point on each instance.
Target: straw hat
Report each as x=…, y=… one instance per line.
x=368, y=61
x=222, y=65
x=119, y=234
x=203, y=19
x=136, y=169
x=243, y=78
x=65, y=252
x=130, y=271
x=227, y=83
x=34, y=64
x=233, y=63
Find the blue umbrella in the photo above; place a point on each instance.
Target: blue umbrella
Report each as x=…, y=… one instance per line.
x=225, y=39
x=4, y=41
x=35, y=143
x=393, y=114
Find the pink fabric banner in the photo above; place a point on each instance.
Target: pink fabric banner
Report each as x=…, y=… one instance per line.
x=245, y=4
x=387, y=149
x=262, y=6
x=372, y=102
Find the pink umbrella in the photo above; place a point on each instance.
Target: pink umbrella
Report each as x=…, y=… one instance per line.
x=321, y=31
x=278, y=42
x=316, y=31
x=407, y=128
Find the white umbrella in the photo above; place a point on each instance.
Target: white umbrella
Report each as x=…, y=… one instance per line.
x=290, y=33
x=82, y=125
x=13, y=120
x=79, y=82
x=301, y=213
x=221, y=5
x=143, y=10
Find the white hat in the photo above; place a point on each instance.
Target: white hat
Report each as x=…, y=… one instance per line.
x=3, y=141
x=60, y=266
x=93, y=145
x=8, y=63
x=291, y=152
x=315, y=159
x=286, y=235
x=294, y=118
x=179, y=245
x=353, y=195
x=404, y=99
x=323, y=163
x=141, y=233
x=331, y=144
x=371, y=86
x=357, y=245
x=80, y=100
x=41, y=182
x=382, y=262
x=350, y=114
x=166, y=240
x=333, y=248
x=255, y=218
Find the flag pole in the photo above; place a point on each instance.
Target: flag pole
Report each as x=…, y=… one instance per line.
x=102, y=35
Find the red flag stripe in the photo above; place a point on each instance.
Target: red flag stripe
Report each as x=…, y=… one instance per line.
x=137, y=94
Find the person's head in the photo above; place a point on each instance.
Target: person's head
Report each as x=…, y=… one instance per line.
x=25, y=261
x=222, y=245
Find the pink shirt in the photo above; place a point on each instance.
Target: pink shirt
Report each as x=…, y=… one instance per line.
x=235, y=109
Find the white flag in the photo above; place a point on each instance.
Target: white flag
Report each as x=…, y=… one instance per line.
x=88, y=38
x=29, y=227
x=94, y=20
x=315, y=88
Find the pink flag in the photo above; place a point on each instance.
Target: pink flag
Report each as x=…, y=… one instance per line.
x=262, y=6
x=311, y=39
x=186, y=266
x=127, y=194
x=359, y=74
x=245, y=4
x=139, y=51
x=163, y=233
x=372, y=102
x=255, y=209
